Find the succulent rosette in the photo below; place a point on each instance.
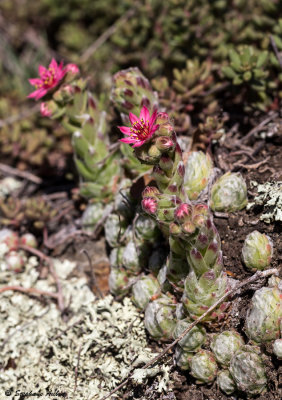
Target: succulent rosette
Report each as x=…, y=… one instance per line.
x=225, y=344
x=194, y=339
x=119, y=281
x=229, y=193
x=264, y=315
x=144, y=289
x=182, y=358
x=203, y=367
x=257, y=251
x=277, y=348
x=198, y=169
x=225, y=382
x=160, y=319
x=247, y=370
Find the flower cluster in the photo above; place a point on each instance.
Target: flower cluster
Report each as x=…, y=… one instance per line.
x=48, y=80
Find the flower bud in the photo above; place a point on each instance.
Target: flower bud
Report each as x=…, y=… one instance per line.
x=150, y=205
x=203, y=366
x=229, y=193
x=182, y=212
x=44, y=110
x=72, y=69
x=225, y=344
x=257, y=251
x=225, y=382
x=164, y=143
x=248, y=371
x=150, y=191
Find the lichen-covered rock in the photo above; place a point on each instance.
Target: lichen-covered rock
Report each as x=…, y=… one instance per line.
x=194, y=339
x=277, y=348
x=247, y=370
x=160, y=319
x=198, y=169
x=203, y=366
x=257, y=251
x=264, y=315
x=143, y=290
x=229, y=193
x=225, y=382
x=225, y=344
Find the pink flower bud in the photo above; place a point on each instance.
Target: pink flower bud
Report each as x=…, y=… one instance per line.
x=72, y=68
x=183, y=211
x=164, y=143
x=149, y=204
x=44, y=110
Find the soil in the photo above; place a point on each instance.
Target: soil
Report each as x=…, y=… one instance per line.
x=258, y=160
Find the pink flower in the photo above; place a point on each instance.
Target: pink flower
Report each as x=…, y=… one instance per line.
x=72, y=68
x=49, y=78
x=142, y=128
x=44, y=110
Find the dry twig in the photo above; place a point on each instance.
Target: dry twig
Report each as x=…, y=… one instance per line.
x=22, y=174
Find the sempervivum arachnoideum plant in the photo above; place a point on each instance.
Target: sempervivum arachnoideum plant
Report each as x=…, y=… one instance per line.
x=257, y=251
x=247, y=370
x=198, y=170
x=225, y=344
x=160, y=317
x=203, y=366
x=67, y=99
x=229, y=193
x=265, y=314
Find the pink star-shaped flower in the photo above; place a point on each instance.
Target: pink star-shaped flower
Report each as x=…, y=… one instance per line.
x=142, y=128
x=48, y=79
